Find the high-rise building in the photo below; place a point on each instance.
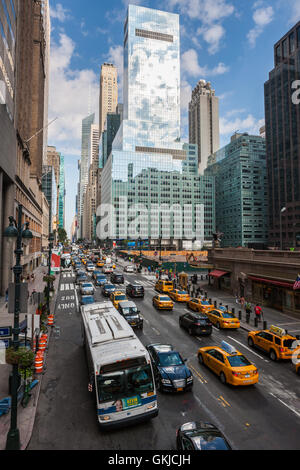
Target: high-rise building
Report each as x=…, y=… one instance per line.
x=148, y=165
x=8, y=139
x=53, y=159
x=90, y=197
x=62, y=193
x=204, y=128
x=84, y=164
x=108, y=92
x=49, y=187
x=47, y=30
x=240, y=175
x=282, y=117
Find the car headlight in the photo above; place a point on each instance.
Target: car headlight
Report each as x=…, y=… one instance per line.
x=165, y=381
x=189, y=379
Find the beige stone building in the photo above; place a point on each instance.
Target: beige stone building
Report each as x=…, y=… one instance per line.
x=108, y=93
x=263, y=276
x=204, y=127
x=53, y=159
x=45, y=223
x=90, y=196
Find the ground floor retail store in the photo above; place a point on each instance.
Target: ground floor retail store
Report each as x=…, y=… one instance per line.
x=275, y=293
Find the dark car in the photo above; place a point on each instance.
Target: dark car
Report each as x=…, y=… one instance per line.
x=171, y=373
x=200, y=436
x=135, y=290
x=131, y=314
x=82, y=278
x=107, y=289
x=100, y=280
x=87, y=299
x=196, y=323
x=117, y=278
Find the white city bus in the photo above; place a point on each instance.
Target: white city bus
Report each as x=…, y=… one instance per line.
x=119, y=365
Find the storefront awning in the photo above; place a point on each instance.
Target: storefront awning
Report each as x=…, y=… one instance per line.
x=271, y=281
x=217, y=273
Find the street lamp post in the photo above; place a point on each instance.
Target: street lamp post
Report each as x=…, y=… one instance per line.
x=51, y=239
x=140, y=244
x=281, y=212
x=20, y=233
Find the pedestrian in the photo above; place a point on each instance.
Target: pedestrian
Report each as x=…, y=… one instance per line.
x=242, y=301
x=248, y=308
x=258, y=312
x=237, y=299
x=6, y=298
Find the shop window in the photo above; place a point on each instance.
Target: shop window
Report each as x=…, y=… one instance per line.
x=297, y=302
x=288, y=299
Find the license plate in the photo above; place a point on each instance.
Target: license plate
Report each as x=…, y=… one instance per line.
x=179, y=389
x=133, y=324
x=247, y=375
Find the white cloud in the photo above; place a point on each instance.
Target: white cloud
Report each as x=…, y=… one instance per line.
x=185, y=95
x=262, y=17
x=69, y=96
x=59, y=13
x=191, y=67
x=115, y=56
x=295, y=14
x=212, y=35
x=248, y=124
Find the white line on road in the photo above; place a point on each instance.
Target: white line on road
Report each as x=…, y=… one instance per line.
x=248, y=349
x=289, y=407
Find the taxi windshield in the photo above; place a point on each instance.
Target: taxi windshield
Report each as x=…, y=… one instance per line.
x=120, y=297
x=182, y=292
x=238, y=361
x=227, y=315
x=164, y=299
x=204, y=302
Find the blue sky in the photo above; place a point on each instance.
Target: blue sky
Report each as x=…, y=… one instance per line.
x=227, y=42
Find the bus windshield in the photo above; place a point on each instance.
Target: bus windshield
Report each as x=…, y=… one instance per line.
x=124, y=383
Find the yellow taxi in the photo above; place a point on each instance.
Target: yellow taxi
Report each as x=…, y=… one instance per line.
x=199, y=305
x=116, y=297
x=114, y=266
x=164, y=286
x=100, y=264
x=179, y=295
x=222, y=319
x=275, y=341
x=162, y=302
x=83, y=260
x=231, y=366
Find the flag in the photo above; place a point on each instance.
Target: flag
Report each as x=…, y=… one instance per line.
x=297, y=283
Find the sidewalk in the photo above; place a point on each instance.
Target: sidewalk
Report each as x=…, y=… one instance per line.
x=270, y=315
x=26, y=416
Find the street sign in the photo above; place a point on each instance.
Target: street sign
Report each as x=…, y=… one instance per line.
x=6, y=342
x=23, y=325
x=5, y=331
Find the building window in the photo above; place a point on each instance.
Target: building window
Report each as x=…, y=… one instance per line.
x=292, y=42
x=298, y=36
x=285, y=48
x=153, y=35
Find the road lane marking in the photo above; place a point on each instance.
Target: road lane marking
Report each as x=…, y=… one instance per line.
x=223, y=401
x=289, y=407
x=156, y=331
x=248, y=349
x=199, y=376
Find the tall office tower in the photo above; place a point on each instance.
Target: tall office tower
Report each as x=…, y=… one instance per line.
x=119, y=111
x=8, y=139
x=84, y=164
x=241, y=189
x=53, y=159
x=204, y=122
x=108, y=93
x=148, y=165
x=90, y=195
x=62, y=193
x=47, y=34
x=282, y=118
x=49, y=187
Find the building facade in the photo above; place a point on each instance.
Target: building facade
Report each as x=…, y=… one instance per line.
x=50, y=191
x=282, y=117
x=149, y=170
x=108, y=92
x=263, y=277
x=62, y=193
x=240, y=175
x=204, y=122
x=90, y=195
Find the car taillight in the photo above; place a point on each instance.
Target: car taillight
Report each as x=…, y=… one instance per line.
x=281, y=349
x=236, y=374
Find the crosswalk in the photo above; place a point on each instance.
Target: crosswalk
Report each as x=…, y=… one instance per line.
x=66, y=287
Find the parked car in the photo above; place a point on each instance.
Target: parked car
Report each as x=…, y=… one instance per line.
x=131, y=313
x=196, y=323
x=200, y=436
x=117, y=278
x=135, y=290
x=171, y=373
x=87, y=288
x=107, y=289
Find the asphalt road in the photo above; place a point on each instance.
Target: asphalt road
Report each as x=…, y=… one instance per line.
x=264, y=416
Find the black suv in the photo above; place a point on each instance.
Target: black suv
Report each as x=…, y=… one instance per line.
x=196, y=323
x=135, y=290
x=130, y=312
x=117, y=278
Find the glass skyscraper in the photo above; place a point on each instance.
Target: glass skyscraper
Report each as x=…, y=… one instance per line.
x=149, y=165
x=62, y=193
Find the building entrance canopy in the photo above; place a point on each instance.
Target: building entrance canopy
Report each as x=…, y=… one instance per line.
x=274, y=282
x=217, y=273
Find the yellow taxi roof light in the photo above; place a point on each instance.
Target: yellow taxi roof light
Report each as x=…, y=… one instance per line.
x=228, y=348
x=277, y=330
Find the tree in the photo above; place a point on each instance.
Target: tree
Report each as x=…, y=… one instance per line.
x=62, y=235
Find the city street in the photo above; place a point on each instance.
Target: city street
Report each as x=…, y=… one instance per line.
x=264, y=416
